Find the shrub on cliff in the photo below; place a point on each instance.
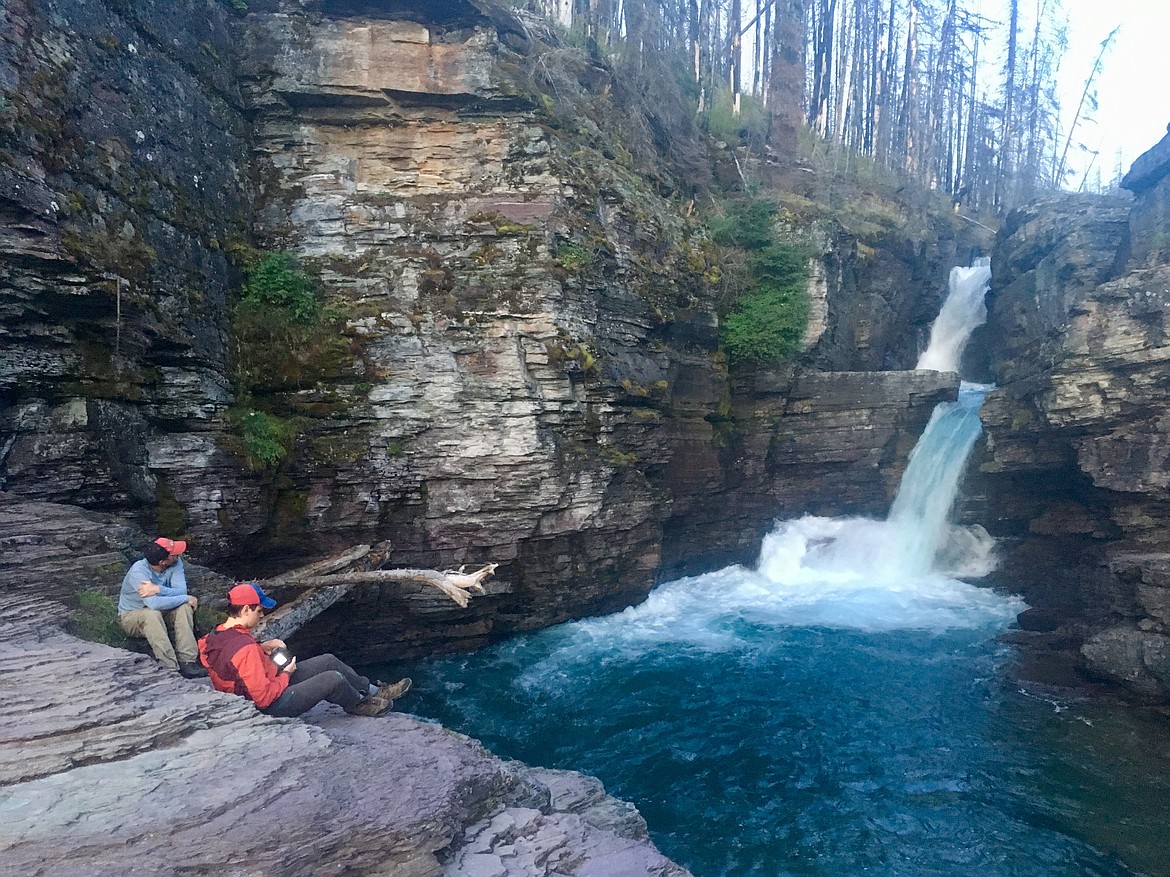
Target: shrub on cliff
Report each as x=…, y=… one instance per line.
x=277, y=284
x=283, y=341
x=770, y=314
x=260, y=438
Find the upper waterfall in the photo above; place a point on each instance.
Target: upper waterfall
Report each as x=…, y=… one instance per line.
x=963, y=311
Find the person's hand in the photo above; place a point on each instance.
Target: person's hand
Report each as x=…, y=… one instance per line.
x=147, y=589
x=269, y=644
x=290, y=667
x=193, y=601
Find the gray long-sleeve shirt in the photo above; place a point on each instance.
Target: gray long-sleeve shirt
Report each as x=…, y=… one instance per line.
x=172, y=587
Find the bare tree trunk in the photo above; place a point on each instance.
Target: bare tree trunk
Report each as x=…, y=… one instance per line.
x=1105, y=44
x=1003, y=168
x=907, y=110
x=823, y=31
x=735, y=53
x=787, y=76
x=326, y=582
x=885, y=115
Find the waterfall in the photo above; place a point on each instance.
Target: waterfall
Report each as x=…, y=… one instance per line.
x=930, y=483
x=963, y=311
x=852, y=573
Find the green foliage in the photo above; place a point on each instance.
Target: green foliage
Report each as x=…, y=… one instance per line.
x=284, y=341
x=769, y=318
x=723, y=124
x=261, y=438
x=96, y=619
x=766, y=326
x=278, y=284
x=747, y=225
x=169, y=514
x=572, y=256
x=206, y=619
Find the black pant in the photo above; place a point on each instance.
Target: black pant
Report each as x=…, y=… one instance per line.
x=316, y=679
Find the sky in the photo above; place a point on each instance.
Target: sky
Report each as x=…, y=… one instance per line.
x=1133, y=90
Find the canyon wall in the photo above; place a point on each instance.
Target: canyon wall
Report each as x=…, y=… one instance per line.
x=525, y=367
x=1073, y=476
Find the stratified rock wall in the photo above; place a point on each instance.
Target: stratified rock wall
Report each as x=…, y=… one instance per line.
x=1074, y=473
x=123, y=174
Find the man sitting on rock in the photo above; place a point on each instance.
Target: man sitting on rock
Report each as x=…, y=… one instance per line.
x=153, y=597
x=240, y=665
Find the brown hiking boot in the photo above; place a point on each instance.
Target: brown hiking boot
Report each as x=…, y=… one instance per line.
x=382, y=700
x=396, y=690
x=372, y=705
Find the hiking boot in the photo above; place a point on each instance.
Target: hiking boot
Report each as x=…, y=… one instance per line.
x=396, y=690
x=372, y=705
x=191, y=670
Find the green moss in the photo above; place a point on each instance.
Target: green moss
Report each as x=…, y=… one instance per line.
x=583, y=357
x=338, y=449
x=128, y=257
x=95, y=619
x=486, y=255
x=633, y=389
x=506, y=227
x=614, y=457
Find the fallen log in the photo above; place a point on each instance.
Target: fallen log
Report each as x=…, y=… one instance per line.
x=325, y=582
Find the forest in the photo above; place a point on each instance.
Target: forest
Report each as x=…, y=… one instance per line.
x=943, y=91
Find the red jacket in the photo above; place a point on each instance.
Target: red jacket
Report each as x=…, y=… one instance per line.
x=237, y=665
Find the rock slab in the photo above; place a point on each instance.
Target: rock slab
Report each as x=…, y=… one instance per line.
x=109, y=765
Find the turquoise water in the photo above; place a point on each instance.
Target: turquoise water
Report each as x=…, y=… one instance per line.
x=771, y=750
x=842, y=708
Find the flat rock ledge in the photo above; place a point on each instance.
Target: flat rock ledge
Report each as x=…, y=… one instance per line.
x=109, y=765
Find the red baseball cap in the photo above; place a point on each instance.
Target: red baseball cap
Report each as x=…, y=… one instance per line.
x=249, y=594
x=174, y=547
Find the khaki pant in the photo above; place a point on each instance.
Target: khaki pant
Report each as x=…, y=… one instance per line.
x=152, y=624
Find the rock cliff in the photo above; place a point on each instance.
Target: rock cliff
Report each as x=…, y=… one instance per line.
x=1073, y=475
x=526, y=366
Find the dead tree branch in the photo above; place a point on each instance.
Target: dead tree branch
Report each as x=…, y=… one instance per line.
x=327, y=581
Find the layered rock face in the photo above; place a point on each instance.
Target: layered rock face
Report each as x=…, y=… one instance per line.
x=531, y=372
x=1074, y=472
x=123, y=174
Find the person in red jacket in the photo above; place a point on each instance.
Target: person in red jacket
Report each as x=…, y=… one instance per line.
x=238, y=664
